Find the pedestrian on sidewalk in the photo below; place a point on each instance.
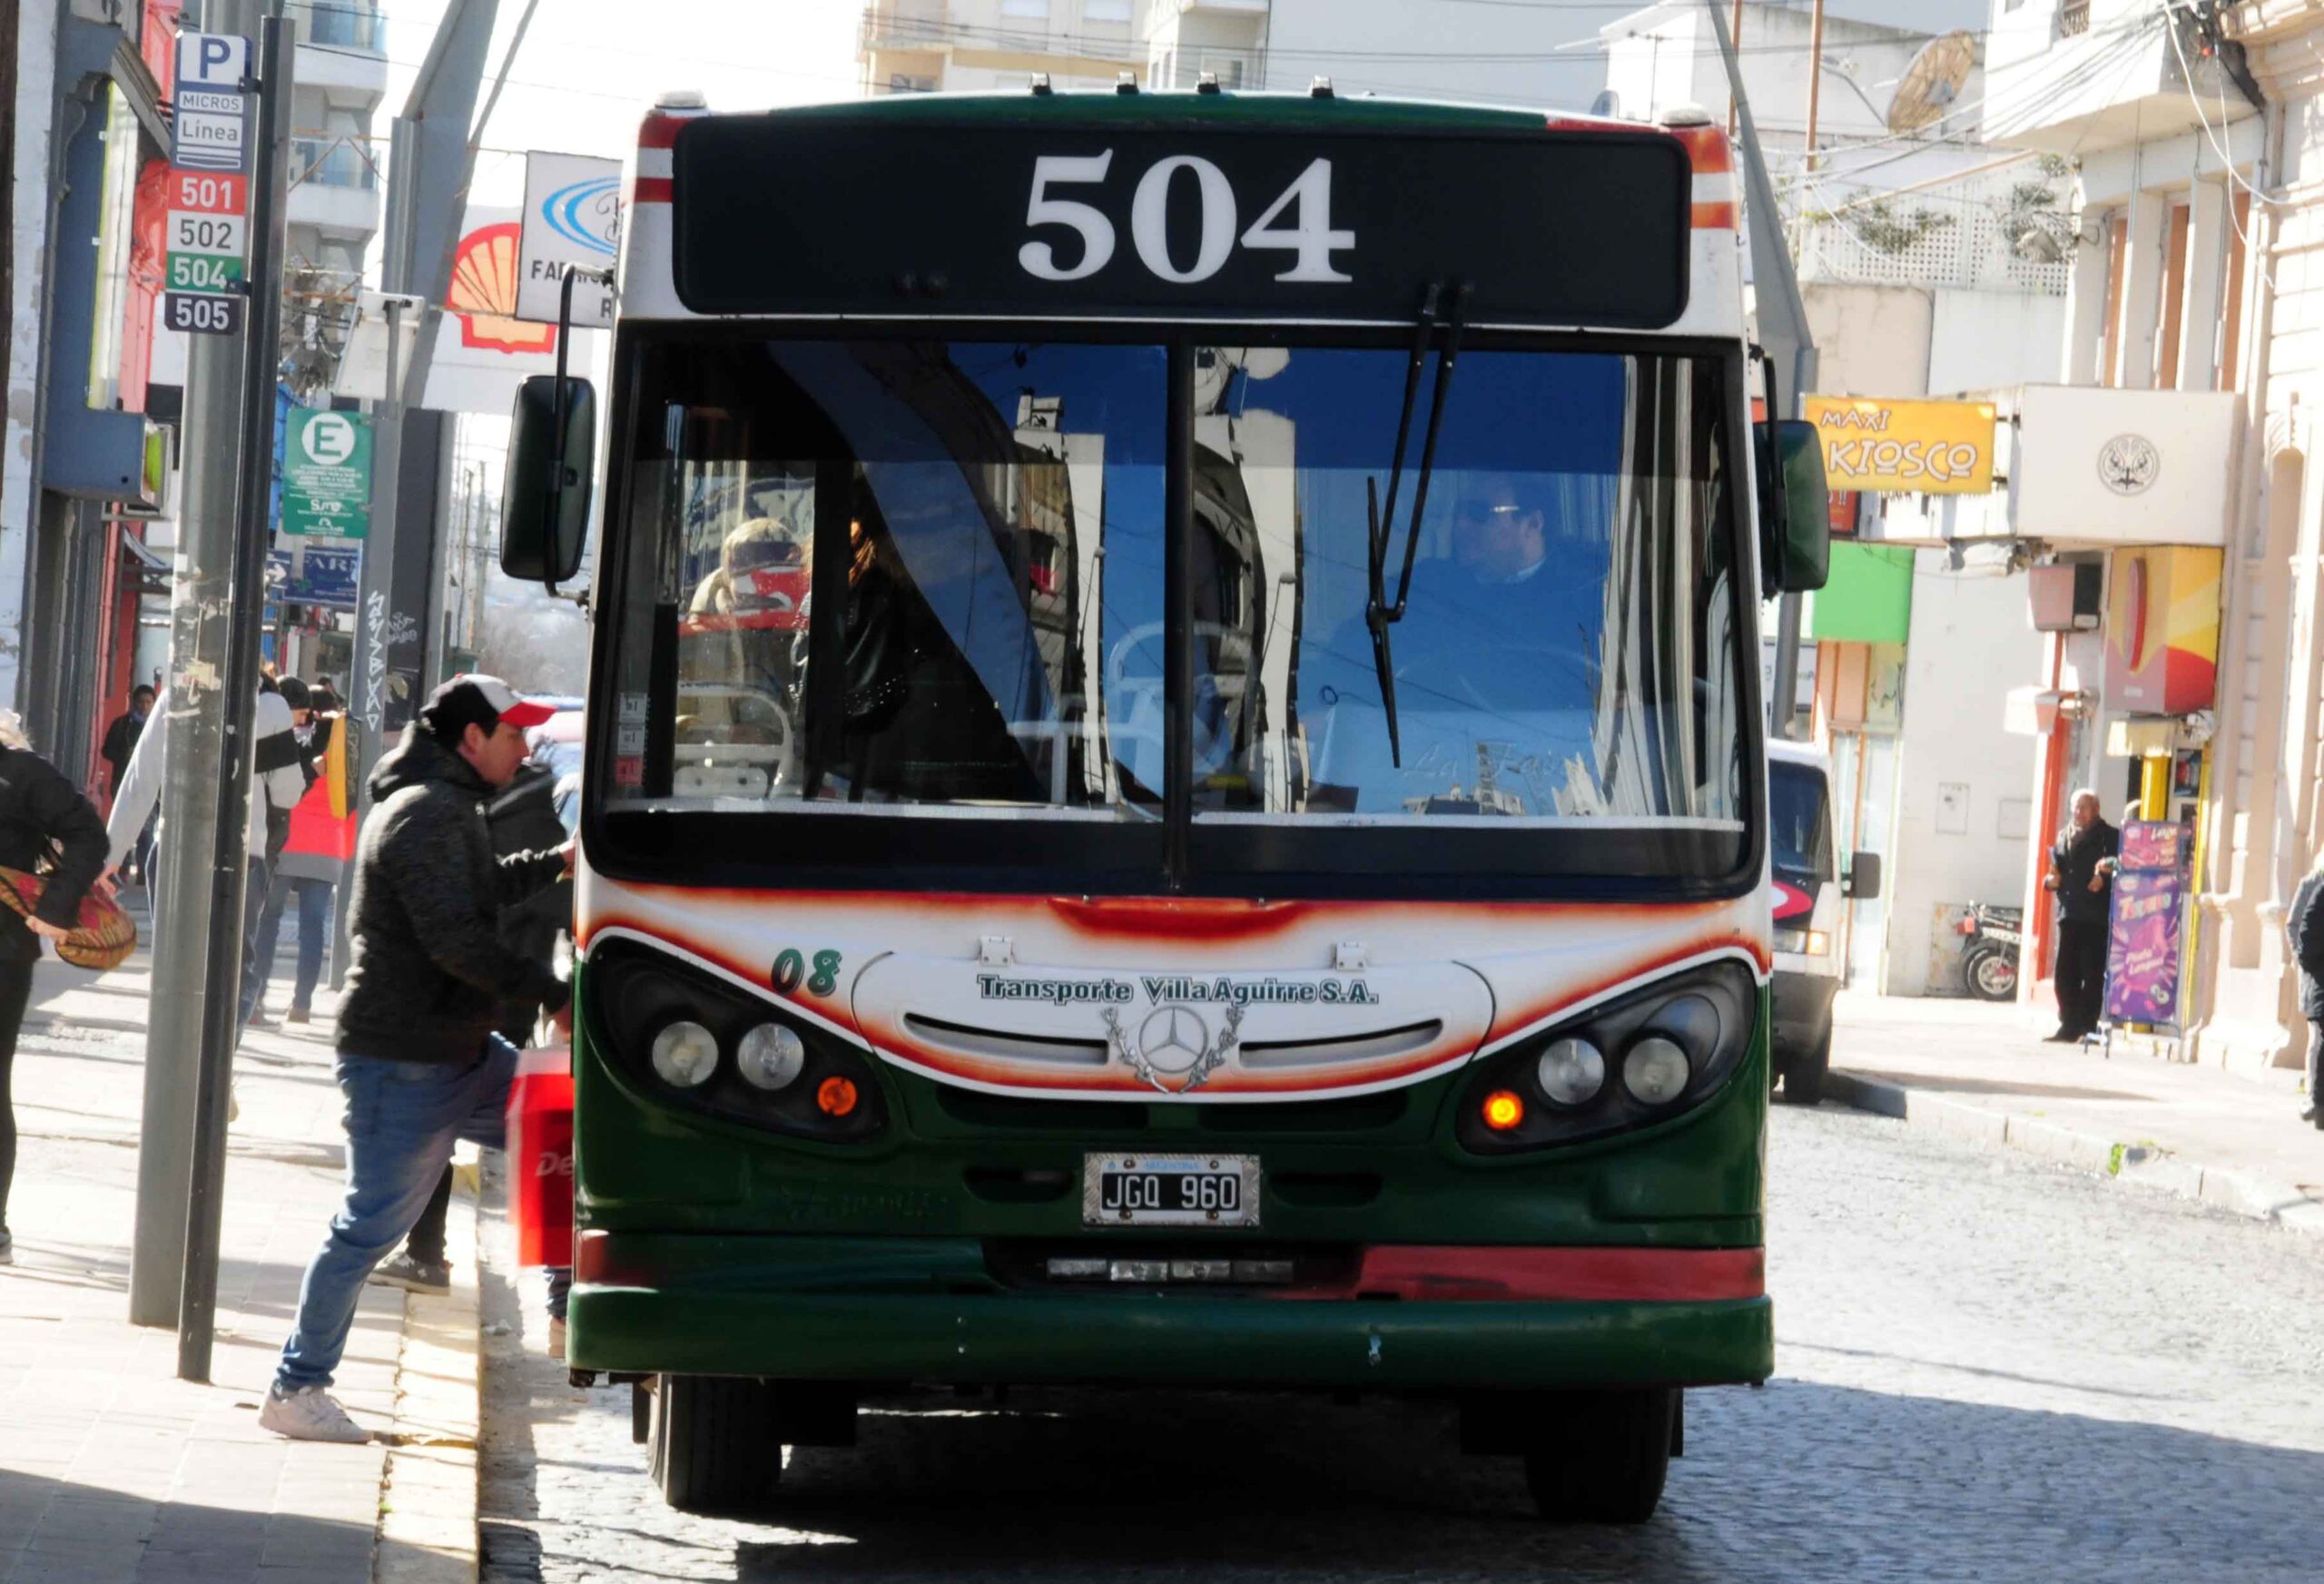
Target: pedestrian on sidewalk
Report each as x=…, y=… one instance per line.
x=2304, y=929
x=421, y=1061
x=276, y=781
x=312, y=862
x=121, y=737
x=523, y=818
x=2082, y=864
x=42, y=816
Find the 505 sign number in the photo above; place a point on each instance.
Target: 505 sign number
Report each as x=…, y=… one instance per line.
x=202, y=314
x=1297, y=222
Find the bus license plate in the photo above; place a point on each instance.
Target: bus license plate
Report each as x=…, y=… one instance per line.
x=1171, y=1190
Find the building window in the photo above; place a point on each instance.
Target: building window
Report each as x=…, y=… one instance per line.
x=1105, y=10
x=1036, y=10
x=2238, y=227
x=2118, y=258
x=908, y=83
x=2174, y=296
x=2074, y=17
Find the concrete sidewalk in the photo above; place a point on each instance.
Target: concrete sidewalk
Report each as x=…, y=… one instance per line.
x=111, y=1467
x=1979, y=1071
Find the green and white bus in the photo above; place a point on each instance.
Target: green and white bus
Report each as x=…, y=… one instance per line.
x=1176, y=795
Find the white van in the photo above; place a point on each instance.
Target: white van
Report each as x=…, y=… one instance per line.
x=1806, y=893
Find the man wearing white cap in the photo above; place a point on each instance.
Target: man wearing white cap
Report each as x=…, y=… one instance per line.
x=419, y=1060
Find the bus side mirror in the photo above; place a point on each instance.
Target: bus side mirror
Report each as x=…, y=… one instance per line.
x=1864, y=876
x=545, y=495
x=1796, y=513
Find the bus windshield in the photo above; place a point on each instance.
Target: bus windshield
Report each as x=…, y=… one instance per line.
x=932, y=579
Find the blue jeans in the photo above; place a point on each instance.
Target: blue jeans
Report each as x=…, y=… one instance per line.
x=314, y=931
x=260, y=878
x=402, y=1120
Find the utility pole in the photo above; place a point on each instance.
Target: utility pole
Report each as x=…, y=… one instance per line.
x=430, y=158
x=202, y=613
x=261, y=371
x=1782, y=327
x=1814, y=74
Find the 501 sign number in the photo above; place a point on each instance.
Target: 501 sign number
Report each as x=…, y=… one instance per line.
x=1309, y=238
x=202, y=314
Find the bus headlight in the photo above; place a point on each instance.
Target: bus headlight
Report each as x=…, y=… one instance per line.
x=1572, y=1071
x=685, y=1055
x=674, y=1034
x=1679, y=1038
x=771, y=1056
x=1655, y=1070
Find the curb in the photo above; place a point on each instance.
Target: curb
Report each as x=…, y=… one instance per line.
x=428, y=1490
x=2142, y=1164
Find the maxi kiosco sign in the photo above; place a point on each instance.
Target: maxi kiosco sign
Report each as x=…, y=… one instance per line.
x=209, y=193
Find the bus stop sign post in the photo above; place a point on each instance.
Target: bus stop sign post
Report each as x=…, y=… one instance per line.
x=229, y=904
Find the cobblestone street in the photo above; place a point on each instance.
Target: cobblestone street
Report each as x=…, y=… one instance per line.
x=1972, y=1382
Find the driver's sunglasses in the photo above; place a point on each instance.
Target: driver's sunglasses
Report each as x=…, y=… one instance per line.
x=1482, y=515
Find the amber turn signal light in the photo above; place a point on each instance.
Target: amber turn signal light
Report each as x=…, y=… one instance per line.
x=1503, y=1110
x=835, y=1097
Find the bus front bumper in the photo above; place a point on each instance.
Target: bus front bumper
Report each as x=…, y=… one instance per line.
x=928, y=1310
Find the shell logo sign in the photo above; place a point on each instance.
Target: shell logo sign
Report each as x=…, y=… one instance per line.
x=483, y=294
x=2162, y=629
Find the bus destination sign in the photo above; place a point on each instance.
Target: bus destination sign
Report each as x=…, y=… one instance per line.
x=1136, y=220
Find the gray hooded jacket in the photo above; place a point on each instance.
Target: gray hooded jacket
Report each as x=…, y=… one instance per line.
x=428, y=972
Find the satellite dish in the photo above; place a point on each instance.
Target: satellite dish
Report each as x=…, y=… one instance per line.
x=1932, y=83
x=1607, y=104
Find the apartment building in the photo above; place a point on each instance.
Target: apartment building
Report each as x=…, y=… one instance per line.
x=930, y=47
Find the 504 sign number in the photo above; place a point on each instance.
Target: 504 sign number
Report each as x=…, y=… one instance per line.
x=1306, y=204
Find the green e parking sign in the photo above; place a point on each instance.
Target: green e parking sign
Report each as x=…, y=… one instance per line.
x=327, y=475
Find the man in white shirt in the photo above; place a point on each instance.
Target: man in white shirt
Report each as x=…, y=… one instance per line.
x=277, y=781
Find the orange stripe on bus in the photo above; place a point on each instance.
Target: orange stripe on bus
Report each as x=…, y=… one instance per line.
x=1715, y=216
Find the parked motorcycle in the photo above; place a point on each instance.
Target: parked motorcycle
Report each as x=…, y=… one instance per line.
x=1989, y=960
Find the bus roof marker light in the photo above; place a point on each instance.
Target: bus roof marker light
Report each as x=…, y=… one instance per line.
x=1207, y=82
x=1041, y=85
x=1503, y=1110
x=835, y=1098
x=685, y=1055
x=1686, y=115
x=682, y=98
x=1655, y=1070
x=1321, y=88
x=1126, y=82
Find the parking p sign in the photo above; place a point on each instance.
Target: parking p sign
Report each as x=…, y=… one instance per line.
x=327, y=475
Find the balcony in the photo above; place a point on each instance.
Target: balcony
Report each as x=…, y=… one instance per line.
x=346, y=28
x=334, y=187
x=890, y=24
x=2100, y=74
x=2085, y=467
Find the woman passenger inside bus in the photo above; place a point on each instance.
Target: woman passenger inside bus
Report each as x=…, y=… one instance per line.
x=915, y=722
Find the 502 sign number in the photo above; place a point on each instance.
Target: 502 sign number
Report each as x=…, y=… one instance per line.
x=1308, y=237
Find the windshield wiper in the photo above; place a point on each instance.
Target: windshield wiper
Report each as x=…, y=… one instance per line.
x=1379, y=614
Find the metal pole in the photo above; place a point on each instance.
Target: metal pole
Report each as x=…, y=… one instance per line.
x=1734, y=102
x=221, y=1022
x=1815, y=74
x=200, y=609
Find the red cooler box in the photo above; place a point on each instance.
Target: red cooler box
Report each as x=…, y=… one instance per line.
x=540, y=1156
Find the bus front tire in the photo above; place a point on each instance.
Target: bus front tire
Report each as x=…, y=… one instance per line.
x=1803, y=1074
x=1601, y=1457
x=714, y=1442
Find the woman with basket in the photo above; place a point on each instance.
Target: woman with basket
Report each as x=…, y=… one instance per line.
x=45, y=825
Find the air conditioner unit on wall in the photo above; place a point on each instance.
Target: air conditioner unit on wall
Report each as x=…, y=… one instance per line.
x=2066, y=596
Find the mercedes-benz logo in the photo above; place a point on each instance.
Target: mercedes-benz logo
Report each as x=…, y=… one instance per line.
x=1173, y=1049
x=2127, y=464
x=1172, y=1039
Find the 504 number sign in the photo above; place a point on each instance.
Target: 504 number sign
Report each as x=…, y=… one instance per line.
x=1309, y=239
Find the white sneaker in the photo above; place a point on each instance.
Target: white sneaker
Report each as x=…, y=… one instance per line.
x=310, y=1414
